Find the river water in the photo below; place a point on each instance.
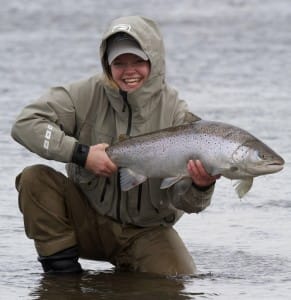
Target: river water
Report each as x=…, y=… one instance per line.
x=231, y=60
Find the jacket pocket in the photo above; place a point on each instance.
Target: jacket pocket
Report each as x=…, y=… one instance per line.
x=100, y=193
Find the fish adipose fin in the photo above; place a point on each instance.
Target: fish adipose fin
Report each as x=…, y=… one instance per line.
x=129, y=179
x=243, y=186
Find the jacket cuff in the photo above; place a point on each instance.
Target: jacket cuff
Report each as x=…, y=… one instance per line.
x=80, y=154
x=203, y=188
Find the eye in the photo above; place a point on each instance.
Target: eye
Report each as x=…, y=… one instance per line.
x=118, y=64
x=234, y=169
x=263, y=156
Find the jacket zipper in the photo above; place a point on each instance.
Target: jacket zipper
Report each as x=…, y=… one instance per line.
x=125, y=103
x=107, y=181
x=139, y=197
x=128, y=132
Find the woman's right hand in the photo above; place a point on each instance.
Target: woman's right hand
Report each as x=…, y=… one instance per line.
x=98, y=161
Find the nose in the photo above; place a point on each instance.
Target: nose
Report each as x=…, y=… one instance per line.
x=129, y=68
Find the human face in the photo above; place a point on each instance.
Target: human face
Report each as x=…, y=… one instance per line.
x=129, y=71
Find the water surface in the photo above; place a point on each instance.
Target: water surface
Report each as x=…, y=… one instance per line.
x=231, y=61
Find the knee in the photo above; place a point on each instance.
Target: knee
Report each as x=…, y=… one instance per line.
x=160, y=251
x=171, y=263
x=37, y=186
x=30, y=175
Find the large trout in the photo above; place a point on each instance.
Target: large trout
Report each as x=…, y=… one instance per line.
x=222, y=148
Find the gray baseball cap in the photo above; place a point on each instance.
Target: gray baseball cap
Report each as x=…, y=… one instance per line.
x=122, y=43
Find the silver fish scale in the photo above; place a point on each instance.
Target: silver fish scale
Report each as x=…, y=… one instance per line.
x=223, y=149
x=165, y=153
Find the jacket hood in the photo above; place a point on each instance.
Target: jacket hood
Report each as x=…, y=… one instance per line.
x=147, y=34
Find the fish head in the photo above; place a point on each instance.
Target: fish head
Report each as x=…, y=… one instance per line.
x=254, y=158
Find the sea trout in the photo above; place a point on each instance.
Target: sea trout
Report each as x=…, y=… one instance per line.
x=222, y=148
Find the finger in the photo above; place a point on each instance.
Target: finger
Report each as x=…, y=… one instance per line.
x=192, y=169
x=110, y=166
x=204, y=178
x=103, y=146
x=200, y=169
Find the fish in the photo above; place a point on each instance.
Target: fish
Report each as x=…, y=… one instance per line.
x=223, y=149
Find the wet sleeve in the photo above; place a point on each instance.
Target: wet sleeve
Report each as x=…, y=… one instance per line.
x=46, y=127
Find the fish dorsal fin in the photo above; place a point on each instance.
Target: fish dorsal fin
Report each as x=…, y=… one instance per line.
x=123, y=137
x=168, y=182
x=243, y=186
x=129, y=179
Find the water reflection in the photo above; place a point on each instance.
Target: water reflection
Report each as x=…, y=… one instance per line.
x=111, y=285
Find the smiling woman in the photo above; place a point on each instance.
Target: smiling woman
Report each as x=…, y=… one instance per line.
x=129, y=71
x=129, y=65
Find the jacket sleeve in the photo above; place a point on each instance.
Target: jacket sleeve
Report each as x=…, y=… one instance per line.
x=193, y=201
x=47, y=126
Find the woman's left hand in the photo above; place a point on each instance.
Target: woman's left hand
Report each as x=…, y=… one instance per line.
x=199, y=175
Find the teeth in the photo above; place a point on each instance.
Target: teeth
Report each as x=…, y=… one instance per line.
x=131, y=80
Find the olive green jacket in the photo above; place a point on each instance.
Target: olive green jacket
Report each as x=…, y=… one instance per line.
x=94, y=111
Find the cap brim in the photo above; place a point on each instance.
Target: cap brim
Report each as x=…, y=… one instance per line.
x=123, y=47
x=135, y=51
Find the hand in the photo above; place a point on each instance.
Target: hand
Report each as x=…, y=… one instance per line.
x=98, y=161
x=199, y=175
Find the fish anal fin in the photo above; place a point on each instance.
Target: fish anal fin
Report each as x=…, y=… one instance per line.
x=182, y=186
x=243, y=186
x=168, y=182
x=129, y=179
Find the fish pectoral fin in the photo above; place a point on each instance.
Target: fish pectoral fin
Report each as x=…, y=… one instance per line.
x=243, y=186
x=129, y=179
x=168, y=182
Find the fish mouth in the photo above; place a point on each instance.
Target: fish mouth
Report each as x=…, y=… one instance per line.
x=266, y=168
x=276, y=167
x=278, y=164
x=271, y=168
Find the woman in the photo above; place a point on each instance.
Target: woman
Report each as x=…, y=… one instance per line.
x=86, y=214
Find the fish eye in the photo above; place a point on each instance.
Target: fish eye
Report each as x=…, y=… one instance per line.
x=263, y=156
x=234, y=169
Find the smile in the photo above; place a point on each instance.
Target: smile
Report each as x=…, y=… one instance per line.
x=131, y=80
